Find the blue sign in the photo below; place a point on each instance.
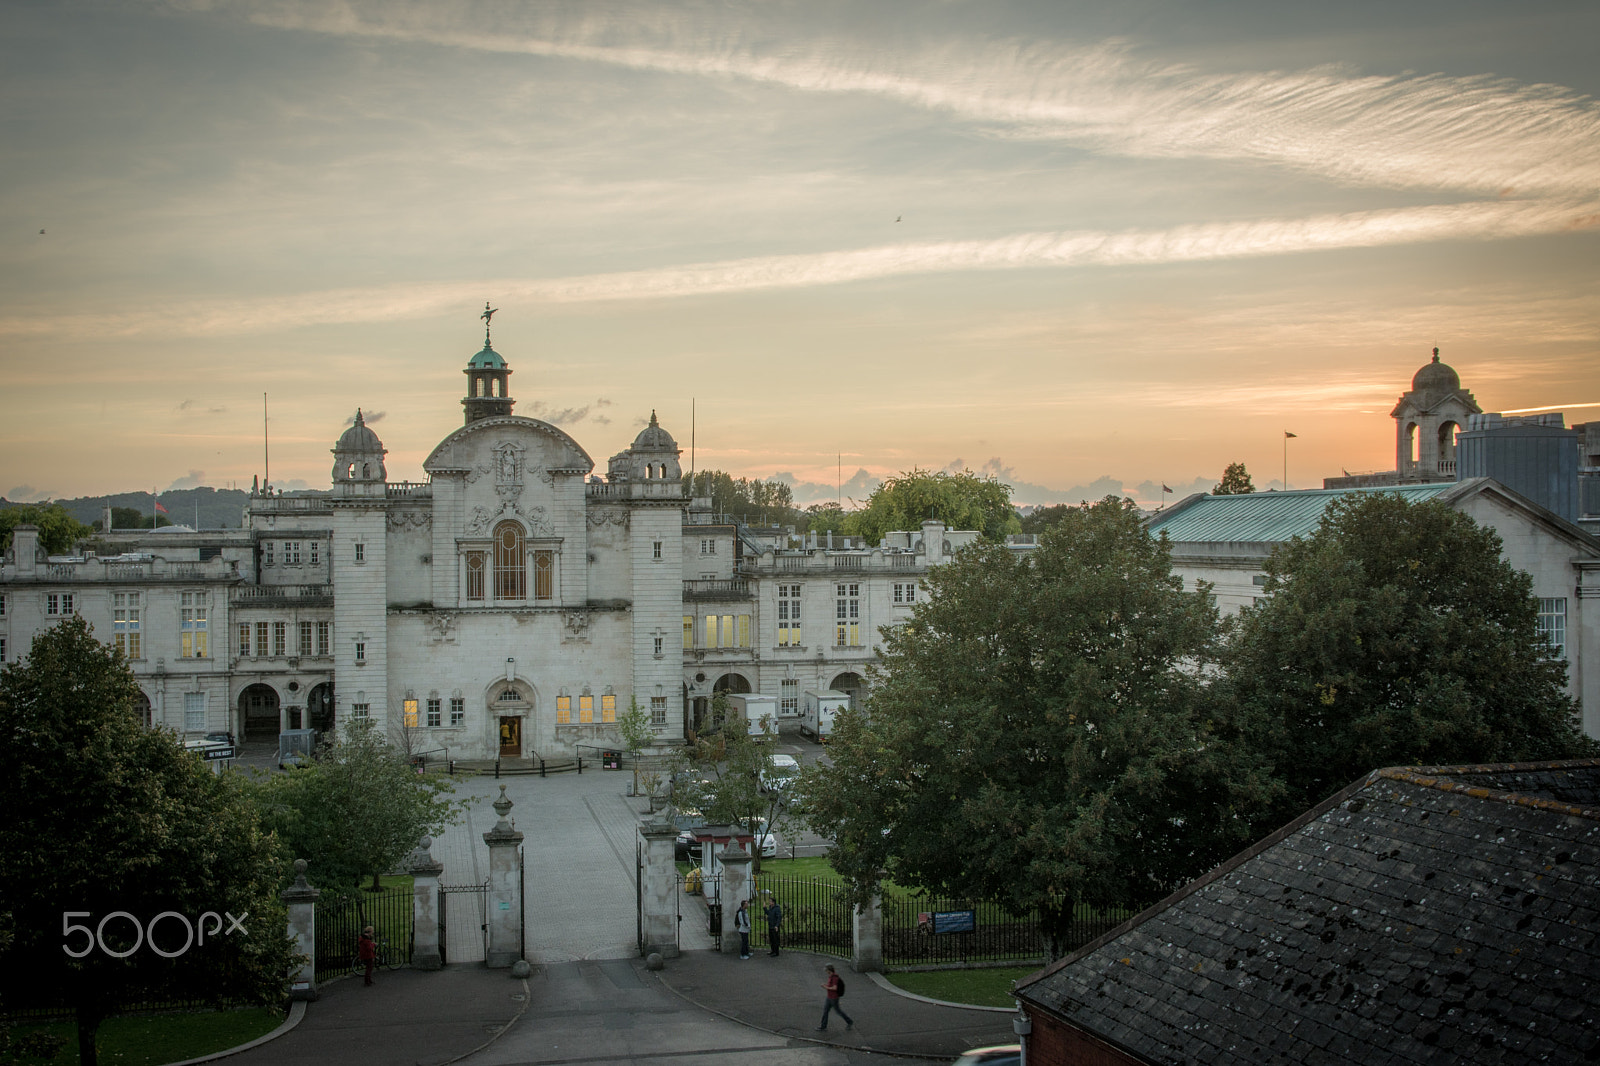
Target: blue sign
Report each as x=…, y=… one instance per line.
x=955, y=922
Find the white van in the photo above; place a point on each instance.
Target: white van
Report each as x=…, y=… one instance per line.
x=780, y=774
x=759, y=713
x=816, y=717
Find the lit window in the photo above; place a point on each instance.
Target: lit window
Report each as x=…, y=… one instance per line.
x=788, y=616
x=125, y=623
x=563, y=710
x=727, y=631
x=847, y=635
x=711, y=632
x=192, y=620
x=510, y=567
x=410, y=708
x=688, y=631
x=744, y=631
x=435, y=712
x=608, y=708
x=586, y=708
x=544, y=571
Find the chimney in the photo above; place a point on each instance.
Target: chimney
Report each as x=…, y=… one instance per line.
x=933, y=541
x=25, y=546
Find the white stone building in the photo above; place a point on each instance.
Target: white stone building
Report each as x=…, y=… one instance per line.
x=513, y=603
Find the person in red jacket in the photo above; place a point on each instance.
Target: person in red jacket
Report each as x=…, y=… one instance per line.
x=834, y=987
x=367, y=951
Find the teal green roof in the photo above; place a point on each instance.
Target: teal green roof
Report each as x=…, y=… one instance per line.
x=1266, y=517
x=488, y=359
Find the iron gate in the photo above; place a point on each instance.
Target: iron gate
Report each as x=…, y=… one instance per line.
x=705, y=898
x=468, y=905
x=340, y=920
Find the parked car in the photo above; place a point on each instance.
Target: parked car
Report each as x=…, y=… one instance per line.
x=780, y=774
x=997, y=1055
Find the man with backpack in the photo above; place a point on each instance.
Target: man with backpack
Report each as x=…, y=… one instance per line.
x=834, y=987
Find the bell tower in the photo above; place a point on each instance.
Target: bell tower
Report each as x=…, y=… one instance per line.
x=488, y=379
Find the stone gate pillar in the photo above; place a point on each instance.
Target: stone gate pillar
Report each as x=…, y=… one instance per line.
x=505, y=896
x=735, y=888
x=658, y=902
x=302, y=903
x=425, y=871
x=866, y=942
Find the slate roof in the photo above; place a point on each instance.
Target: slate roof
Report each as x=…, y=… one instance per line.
x=1419, y=916
x=1266, y=517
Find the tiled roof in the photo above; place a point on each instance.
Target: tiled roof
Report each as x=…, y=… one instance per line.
x=1420, y=916
x=1266, y=517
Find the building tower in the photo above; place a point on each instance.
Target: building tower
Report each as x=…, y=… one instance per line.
x=488, y=384
x=358, y=564
x=1427, y=420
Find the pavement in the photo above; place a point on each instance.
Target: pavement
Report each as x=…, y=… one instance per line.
x=590, y=998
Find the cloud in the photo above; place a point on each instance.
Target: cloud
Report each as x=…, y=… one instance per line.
x=566, y=416
x=193, y=479
x=1476, y=132
x=1476, y=220
x=27, y=494
x=858, y=487
x=367, y=417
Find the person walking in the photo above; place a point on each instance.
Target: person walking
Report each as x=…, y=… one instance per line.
x=774, y=920
x=741, y=922
x=367, y=951
x=833, y=986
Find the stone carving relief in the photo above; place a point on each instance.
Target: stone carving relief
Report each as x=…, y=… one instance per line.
x=443, y=626
x=482, y=519
x=577, y=627
x=399, y=521
x=509, y=464
x=618, y=518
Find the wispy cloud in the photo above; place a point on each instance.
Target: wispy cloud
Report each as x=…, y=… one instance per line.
x=1476, y=220
x=1481, y=133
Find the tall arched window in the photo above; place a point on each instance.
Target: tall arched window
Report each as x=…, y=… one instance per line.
x=510, y=563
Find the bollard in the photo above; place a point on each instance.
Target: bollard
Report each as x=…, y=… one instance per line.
x=580, y=764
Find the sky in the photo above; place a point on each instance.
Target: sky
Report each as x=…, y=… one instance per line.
x=1086, y=247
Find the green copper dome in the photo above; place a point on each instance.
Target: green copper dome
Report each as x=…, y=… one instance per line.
x=488, y=359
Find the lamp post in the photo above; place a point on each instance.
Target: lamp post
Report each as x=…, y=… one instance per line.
x=1286, y=436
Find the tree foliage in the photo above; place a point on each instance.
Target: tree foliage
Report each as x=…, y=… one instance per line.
x=1042, y=518
x=105, y=815
x=133, y=518
x=356, y=809
x=960, y=501
x=58, y=530
x=1235, y=482
x=751, y=500
x=1032, y=736
x=719, y=775
x=1393, y=635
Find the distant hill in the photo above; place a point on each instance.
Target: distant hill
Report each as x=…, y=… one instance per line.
x=212, y=508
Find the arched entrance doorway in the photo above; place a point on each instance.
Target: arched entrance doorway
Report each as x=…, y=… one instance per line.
x=727, y=684
x=258, y=711
x=851, y=684
x=319, y=707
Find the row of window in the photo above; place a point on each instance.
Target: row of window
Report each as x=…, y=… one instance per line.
x=288, y=553
x=718, y=631
x=435, y=711
x=271, y=639
x=127, y=621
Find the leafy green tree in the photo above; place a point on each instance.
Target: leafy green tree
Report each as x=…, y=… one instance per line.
x=960, y=501
x=133, y=518
x=1393, y=635
x=721, y=775
x=356, y=809
x=103, y=816
x=1033, y=736
x=1235, y=482
x=750, y=500
x=58, y=530
x=1042, y=518
x=824, y=518
x=637, y=734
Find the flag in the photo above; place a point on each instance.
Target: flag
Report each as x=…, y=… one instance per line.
x=1165, y=489
x=1287, y=434
x=160, y=509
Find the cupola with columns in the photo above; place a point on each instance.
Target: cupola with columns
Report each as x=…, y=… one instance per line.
x=488, y=384
x=358, y=468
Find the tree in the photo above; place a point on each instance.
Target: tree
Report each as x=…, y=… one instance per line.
x=637, y=734
x=58, y=530
x=356, y=809
x=750, y=500
x=960, y=501
x=105, y=817
x=1394, y=635
x=1042, y=518
x=721, y=776
x=825, y=518
x=1235, y=482
x=1032, y=735
x=133, y=518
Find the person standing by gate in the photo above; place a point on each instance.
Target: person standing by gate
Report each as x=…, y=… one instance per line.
x=741, y=922
x=774, y=920
x=367, y=951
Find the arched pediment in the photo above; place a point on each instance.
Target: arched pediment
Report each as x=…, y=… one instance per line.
x=544, y=446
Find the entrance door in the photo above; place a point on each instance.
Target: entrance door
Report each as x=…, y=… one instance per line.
x=510, y=737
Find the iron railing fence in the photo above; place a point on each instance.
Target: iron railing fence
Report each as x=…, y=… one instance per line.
x=340, y=920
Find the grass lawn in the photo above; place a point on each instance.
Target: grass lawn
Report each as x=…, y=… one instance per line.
x=153, y=1039
x=982, y=988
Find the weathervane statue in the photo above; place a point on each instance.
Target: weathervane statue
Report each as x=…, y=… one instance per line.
x=488, y=314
